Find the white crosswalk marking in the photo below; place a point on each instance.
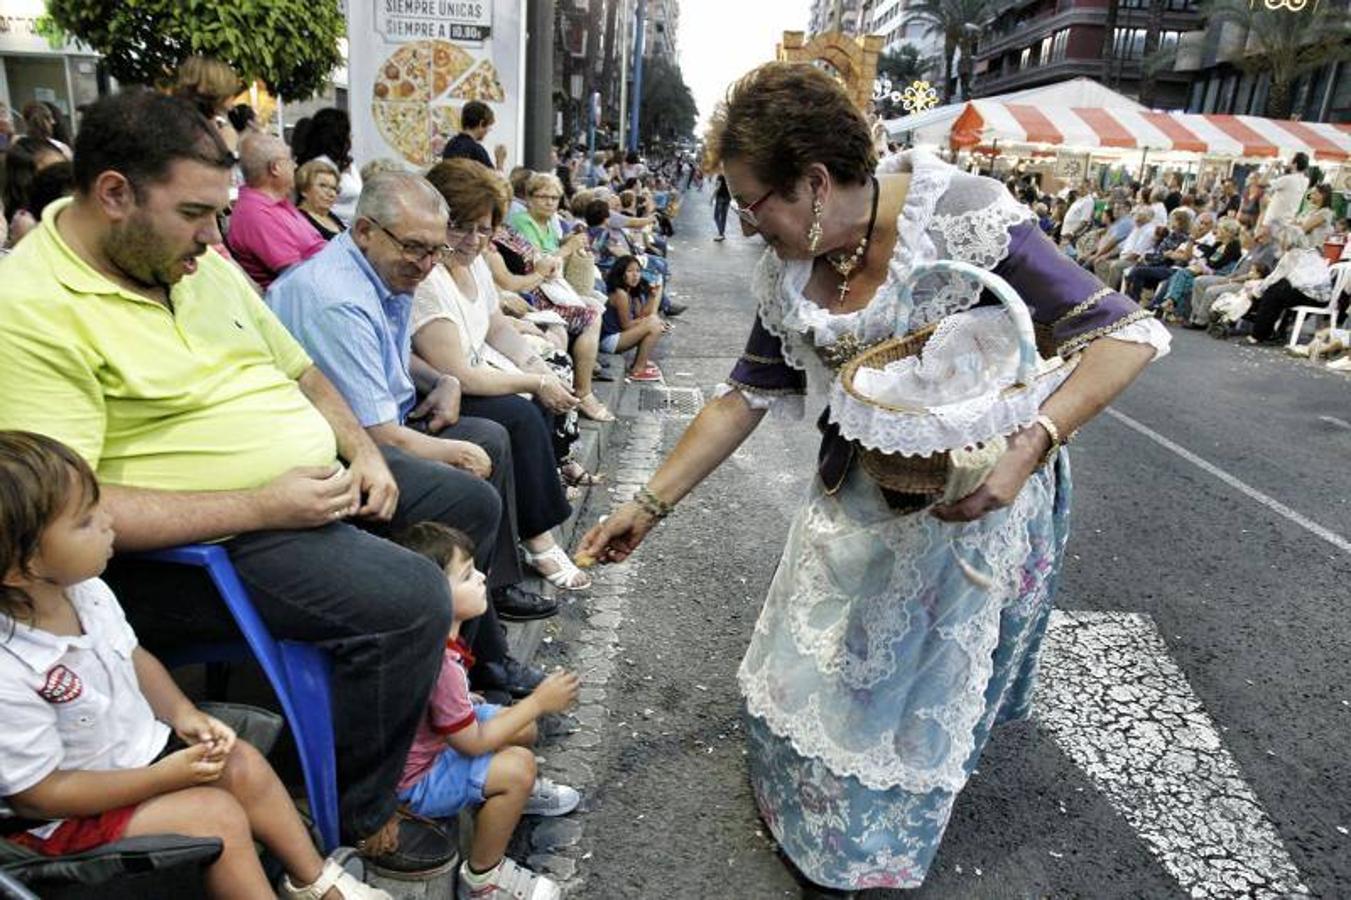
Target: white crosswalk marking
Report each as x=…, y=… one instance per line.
x=1122, y=710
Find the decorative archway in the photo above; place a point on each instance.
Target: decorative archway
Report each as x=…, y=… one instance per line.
x=853, y=60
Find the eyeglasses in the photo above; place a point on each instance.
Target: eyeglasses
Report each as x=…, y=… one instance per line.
x=413, y=251
x=461, y=236
x=747, y=213
x=554, y=197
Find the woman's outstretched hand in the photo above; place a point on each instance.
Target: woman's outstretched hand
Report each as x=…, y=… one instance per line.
x=615, y=537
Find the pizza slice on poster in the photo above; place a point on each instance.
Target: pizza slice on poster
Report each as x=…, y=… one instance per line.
x=481, y=84
x=406, y=75
x=405, y=126
x=445, y=125
x=449, y=62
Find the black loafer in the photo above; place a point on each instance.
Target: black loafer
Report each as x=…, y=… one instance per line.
x=515, y=604
x=424, y=848
x=674, y=309
x=510, y=675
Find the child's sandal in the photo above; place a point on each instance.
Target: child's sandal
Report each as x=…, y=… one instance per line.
x=330, y=877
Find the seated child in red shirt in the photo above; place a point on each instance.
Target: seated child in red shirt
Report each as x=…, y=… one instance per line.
x=86, y=740
x=468, y=753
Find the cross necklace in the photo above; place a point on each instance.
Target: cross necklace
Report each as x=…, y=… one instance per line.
x=847, y=265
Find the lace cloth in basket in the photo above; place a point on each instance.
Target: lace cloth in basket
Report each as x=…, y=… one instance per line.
x=954, y=392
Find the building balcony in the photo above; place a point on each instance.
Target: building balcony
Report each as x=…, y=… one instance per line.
x=988, y=84
x=1033, y=30
x=1126, y=72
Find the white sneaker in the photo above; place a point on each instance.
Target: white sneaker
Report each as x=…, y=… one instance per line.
x=1341, y=365
x=510, y=882
x=550, y=799
x=330, y=877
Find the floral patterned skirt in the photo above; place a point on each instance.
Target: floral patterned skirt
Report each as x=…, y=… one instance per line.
x=843, y=834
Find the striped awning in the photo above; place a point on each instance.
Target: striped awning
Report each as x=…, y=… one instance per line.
x=984, y=122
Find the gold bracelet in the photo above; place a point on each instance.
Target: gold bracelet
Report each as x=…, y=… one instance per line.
x=652, y=504
x=1053, y=430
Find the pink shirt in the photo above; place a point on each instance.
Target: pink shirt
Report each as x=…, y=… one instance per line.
x=448, y=711
x=268, y=235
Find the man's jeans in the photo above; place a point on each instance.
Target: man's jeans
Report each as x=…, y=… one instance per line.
x=383, y=612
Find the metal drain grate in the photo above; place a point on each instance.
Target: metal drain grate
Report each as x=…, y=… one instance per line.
x=679, y=402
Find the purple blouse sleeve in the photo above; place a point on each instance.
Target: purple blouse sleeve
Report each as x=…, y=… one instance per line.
x=1069, y=300
x=762, y=369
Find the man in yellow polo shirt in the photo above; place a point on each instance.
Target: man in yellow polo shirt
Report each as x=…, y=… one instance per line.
x=127, y=338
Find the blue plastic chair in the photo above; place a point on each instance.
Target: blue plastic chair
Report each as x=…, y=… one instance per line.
x=299, y=674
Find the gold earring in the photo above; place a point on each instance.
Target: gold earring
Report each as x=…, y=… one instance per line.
x=814, y=232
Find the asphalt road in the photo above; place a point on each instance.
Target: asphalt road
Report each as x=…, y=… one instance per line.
x=1247, y=590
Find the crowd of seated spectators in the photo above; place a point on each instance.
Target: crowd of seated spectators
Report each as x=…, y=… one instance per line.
x=1228, y=257
x=363, y=383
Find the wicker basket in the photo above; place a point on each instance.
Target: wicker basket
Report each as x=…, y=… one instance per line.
x=580, y=272
x=927, y=476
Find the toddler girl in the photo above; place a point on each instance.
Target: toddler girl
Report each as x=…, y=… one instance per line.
x=98, y=739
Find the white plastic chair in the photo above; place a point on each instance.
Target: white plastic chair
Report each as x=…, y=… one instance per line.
x=1341, y=283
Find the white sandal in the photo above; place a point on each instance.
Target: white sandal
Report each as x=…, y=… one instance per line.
x=566, y=576
x=332, y=876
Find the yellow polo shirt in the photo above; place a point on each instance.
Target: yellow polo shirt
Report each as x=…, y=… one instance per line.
x=202, y=398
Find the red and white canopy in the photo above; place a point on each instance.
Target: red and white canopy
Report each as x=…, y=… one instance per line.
x=983, y=122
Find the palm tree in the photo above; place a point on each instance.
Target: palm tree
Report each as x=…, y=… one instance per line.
x=958, y=21
x=1285, y=44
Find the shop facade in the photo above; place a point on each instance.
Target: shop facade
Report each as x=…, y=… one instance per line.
x=31, y=69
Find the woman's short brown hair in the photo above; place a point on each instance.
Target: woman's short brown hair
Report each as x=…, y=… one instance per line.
x=208, y=83
x=781, y=117
x=580, y=201
x=519, y=178
x=471, y=189
x=37, y=477
x=311, y=170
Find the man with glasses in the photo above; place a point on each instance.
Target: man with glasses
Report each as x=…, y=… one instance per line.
x=152, y=356
x=349, y=307
x=267, y=233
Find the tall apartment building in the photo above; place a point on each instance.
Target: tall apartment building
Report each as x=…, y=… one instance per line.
x=1213, y=59
x=662, y=26
x=852, y=16
x=585, y=60
x=1035, y=42
x=891, y=19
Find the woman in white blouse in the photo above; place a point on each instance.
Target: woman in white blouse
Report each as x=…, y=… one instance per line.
x=459, y=329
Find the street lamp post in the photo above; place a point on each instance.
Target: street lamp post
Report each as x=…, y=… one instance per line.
x=539, y=96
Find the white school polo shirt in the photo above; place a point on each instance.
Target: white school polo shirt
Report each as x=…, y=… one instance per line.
x=73, y=702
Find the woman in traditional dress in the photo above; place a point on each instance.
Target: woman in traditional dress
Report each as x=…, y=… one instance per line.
x=879, y=663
